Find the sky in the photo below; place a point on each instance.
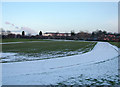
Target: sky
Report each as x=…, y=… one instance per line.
x=33, y=17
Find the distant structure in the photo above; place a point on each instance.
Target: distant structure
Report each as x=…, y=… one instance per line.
x=23, y=33
x=97, y=35
x=8, y=32
x=40, y=33
x=3, y=32
x=56, y=34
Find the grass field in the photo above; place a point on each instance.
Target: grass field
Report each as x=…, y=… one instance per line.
x=116, y=44
x=45, y=50
x=21, y=40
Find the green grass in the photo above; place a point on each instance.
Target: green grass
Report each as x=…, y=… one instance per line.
x=21, y=40
x=116, y=44
x=46, y=50
x=38, y=47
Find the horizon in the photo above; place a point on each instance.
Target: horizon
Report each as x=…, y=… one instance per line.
x=33, y=17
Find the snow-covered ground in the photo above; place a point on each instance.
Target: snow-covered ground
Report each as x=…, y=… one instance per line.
x=102, y=61
x=15, y=57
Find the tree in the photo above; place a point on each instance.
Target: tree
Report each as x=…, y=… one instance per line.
x=40, y=33
x=104, y=32
x=23, y=33
x=93, y=34
x=72, y=33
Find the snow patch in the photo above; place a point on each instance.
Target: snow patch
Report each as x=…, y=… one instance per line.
x=101, y=61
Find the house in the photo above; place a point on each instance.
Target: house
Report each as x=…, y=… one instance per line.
x=56, y=34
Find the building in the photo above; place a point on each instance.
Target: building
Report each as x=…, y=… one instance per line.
x=56, y=34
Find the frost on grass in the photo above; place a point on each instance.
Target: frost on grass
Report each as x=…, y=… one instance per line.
x=18, y=57
x=15, y=57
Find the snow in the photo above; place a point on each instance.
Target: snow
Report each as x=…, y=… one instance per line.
x=96, y=63
x=7, y=54
x=16, y=57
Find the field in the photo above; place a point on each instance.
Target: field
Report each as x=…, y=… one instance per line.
x=21, y=40
x=60, y=62
x=116, y=44
x=63, y=67
x=43, y=50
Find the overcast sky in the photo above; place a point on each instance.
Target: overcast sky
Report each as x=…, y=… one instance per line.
x=60, y=16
